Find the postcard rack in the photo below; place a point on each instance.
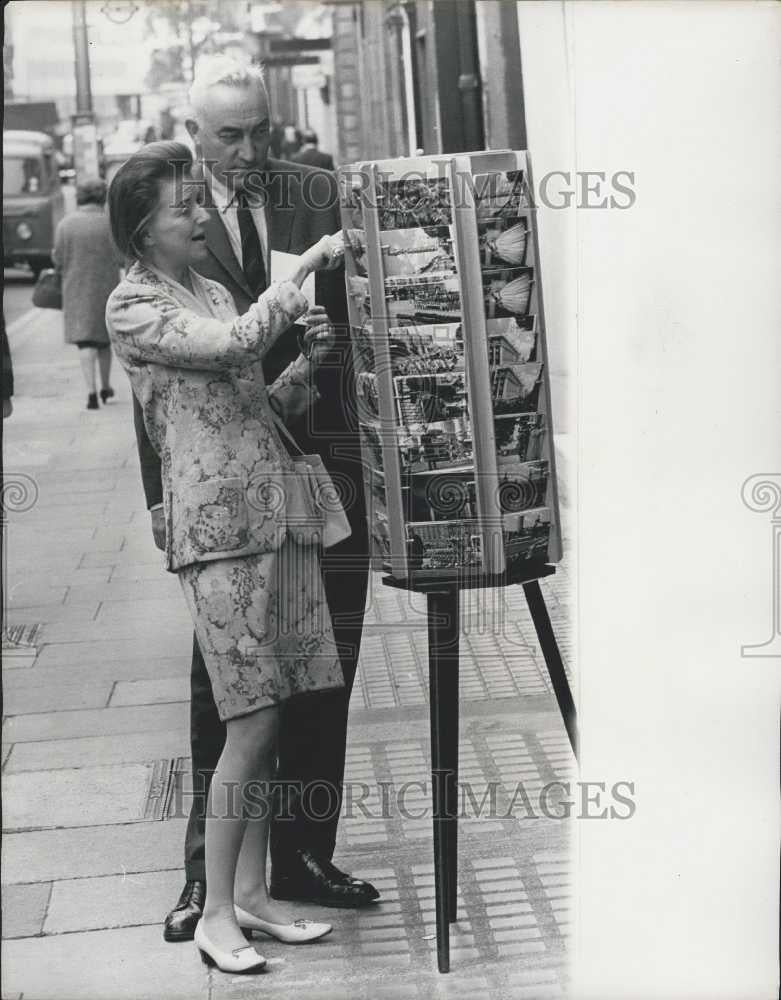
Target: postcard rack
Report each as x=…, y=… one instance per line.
x=452, y=397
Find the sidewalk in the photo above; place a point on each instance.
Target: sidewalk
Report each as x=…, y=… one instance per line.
x=95, y=748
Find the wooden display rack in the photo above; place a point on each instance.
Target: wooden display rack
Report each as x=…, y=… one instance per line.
x=442, y=586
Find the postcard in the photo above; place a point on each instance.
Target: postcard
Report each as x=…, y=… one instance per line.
x=371, y=440
x=283, y=265
x=519, y=437
x=443, y=445
x=499, y=195
x=440, y=496
x=516, y=388
x=423, y=299
x=505, y=242
x=359, y=299
x=511, y=341
x=414, y=201
x=522, y=487
x=426, y=350
x=526, y=536
x=377, y=510
x=362, y=338
x=438, y=546
x=351, y=202
x=417, y=251
x=355, y=252
x=367, y=398
x=507, y=291
x=424, y=448
x=451, y=494
x=425, y=399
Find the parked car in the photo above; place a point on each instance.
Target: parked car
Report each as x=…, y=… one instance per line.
x=33, y=201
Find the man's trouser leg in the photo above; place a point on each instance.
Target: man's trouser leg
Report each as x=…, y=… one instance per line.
x=207, y=738
x=313, y=729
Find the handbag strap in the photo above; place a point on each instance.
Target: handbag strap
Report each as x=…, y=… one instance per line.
x=285, y=433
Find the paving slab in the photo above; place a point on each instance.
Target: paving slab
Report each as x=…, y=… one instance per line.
x=154, y=608
x=96, y=722
x=81, y=852
x=166, y=627
x=88, y=673
x=166, y=587
x=161, y=691
x=129, y=900
x=32, y=594
x=128, y=964
x=90, y=796
x=91, y=751
x=24, y=909
x=56, y=611
x=138, y=571
x=145, y=645
x=34, y=698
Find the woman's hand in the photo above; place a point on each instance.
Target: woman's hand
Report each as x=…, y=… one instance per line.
x=319, y=337
x=326, y=254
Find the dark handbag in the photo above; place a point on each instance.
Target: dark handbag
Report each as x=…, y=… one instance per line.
x=47, y=293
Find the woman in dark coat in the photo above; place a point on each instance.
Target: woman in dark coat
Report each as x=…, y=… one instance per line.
x=85, y=257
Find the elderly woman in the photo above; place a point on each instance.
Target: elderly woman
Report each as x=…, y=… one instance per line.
x=254, y=590
x=86, y=259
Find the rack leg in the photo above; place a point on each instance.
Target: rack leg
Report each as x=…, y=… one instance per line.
x=550, y=651
x=443, y=635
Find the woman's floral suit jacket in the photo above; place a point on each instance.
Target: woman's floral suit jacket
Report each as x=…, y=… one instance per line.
x=195, y=369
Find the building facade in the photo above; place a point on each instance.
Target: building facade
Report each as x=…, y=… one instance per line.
x=439, y=76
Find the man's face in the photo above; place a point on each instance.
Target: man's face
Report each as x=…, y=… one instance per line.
x=233, y=132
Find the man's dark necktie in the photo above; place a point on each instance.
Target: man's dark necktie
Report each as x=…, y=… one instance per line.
x=251, y=250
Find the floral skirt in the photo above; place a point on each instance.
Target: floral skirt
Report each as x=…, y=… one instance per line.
x=263, y=626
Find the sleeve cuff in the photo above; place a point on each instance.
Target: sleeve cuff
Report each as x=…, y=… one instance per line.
x=155, y=506
x=292, y=299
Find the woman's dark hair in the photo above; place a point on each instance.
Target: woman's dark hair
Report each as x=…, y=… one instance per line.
x=91, y=191
x=135, y=190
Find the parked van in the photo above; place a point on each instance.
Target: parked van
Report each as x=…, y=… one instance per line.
x=33, y=201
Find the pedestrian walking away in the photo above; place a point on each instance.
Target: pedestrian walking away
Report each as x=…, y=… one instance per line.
x=310, y=154
x=87, y=262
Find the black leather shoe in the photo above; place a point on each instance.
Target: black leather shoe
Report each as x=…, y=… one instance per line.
x=181, y=922
x=307, y=879
x=339, y=876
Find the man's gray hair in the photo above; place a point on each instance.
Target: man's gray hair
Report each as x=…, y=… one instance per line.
x=222, y=70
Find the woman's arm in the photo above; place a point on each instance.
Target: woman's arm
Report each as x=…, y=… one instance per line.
x=294, y=391
x=149, y=327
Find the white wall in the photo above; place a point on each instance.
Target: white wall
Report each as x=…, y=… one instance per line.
x=548, y=98
x=674, y=313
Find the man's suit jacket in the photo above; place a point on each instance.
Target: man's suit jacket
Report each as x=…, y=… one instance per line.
x=302, y=207
x=314, y=158
x=196, y=372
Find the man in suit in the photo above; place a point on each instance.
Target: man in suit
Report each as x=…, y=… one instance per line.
x=256, y=205
x=311, y=155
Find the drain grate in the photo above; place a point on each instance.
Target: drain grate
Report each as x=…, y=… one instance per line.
x=22, y=636
x=164, y=779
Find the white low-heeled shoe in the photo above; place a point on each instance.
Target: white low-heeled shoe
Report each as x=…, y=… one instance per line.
x=299, y=932
x=239, y=960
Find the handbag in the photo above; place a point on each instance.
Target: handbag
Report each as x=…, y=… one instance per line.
x=47, y=293
x=314, y=508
